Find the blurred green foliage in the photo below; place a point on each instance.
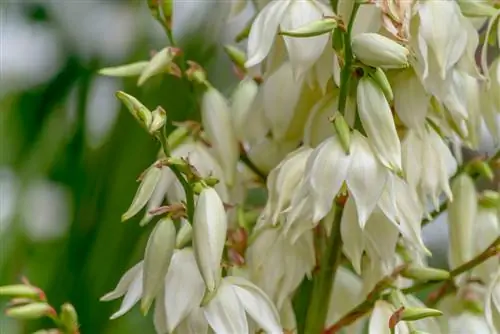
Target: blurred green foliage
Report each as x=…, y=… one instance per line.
x=36, y=142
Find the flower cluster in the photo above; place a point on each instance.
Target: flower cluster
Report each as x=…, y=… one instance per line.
x=352, y=116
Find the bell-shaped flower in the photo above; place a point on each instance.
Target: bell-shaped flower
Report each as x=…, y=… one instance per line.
x=378, y=51
x=411, y=101
x=159, y=251
x=283, y=181
x=288, y=15
x=277, y=265
x=379, y=320
x=209, y=236
x=241, y=106
x=446, y=48
x=216, y=119
x=378, y=123
x=428, y=164
x=227, y=311
x=181, y=293
x=462, y=220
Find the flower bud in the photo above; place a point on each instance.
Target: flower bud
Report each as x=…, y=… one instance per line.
x=136, y=108
x=69, y=317
x=176, y=137
x=20, y=291
x=417, y=313
x=128, y=70
x=162, y=62
x=490, y=199
x=144, y=192
x=30, y=311
x=343, y=131
x=167, y=10
x=482, y=168
x=209, y=236
x=378, y=123
x=236, y=55
x=379, y=51
x=241, y=107
x=461, y=220
x=381, y=79
x=217, y=122
x=159, y=118
x=314, y=28
x=425, y=274
x=196, y=73
x=184, y=235
x=158, y=254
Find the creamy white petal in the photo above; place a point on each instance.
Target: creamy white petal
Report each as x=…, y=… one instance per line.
x=257, y=304
x=241, y=106
x=346, y=294
x=287, y=316
x=124, y=283
x=225, y=313
x=318, y=127
x=353, y=242
x=156, y=200
x=159, y=316
x=195, y=323
x=132, y=296
x=184, y=287
x=366, y=178
x=381, y=237
x=379, y=320
x=263, y=31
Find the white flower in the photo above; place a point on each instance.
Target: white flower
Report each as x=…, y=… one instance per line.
x=318, y=127
x=378, y=123
x=241, y=106
x=216, y=119
x=379, y=51
x=428, y=164
x=267, y=153
x=277, y=265
x=236, y=297
x=492, y=304
x=209, y=236
x=289, y=15
x=487, y=229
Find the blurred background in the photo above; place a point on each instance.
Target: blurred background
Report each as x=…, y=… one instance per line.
x=70, y=154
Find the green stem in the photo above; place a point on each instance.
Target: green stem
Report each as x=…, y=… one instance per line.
x=345, y=74
x=323, y=282
x=188, y=190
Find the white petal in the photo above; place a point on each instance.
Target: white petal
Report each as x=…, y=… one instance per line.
x=124, y=283
x=346, y=294
x=379, y=320
x=352, y=236
x=327, y=170
x=378, y=123
x=318, y=128
x=366, y=178
x=241, y=106
x=256, y=304
x=195, y=323
x=224, y=312
x=303, y=52
x=132, y=296
x=166, y=179
x=263, y=31
x=159, y=316
x=287, y=316
x=184, y=287
x=381, y=237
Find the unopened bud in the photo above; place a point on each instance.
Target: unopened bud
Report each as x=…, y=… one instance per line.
x=144, y=192
x=136, y=108
x=236, y=55
x=378, y=51
x=425, y=274
x=176, y=137
x=184, y=235
x=129, y=70
x=482, y=168
x=30, y=311
x=154, y=8
x=159, y=251
x=378, y=75
x=69, y=317
x=159, y=118
x=162, y=62
x=476, y=8
x=343, y=131
x=314, y=28
x=167, y=10
x=196, y=73
x=490, y=199
x=211, y=181
x=417, y=313
x=243, y=34
x=20, y=290
x=337, y=40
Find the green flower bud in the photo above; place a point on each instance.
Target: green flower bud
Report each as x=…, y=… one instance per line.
x=30, y=311
x=136, y=108
x=162, y=62
x=129, y=70
x=490, y=199
x=343, y=131
x=378, y=75
x=69, y=317
x=425, y=274
x=20, y=291
x=315, y=28
x=417, y=313
x=236, y=55
x=184, y=235
x=159, y=118
x=176, y=137
x=378, y=51
x=474, y=8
